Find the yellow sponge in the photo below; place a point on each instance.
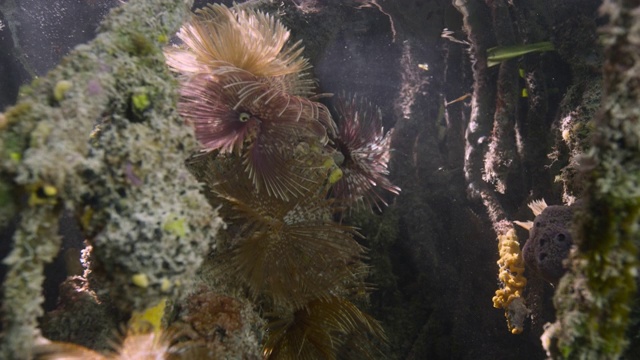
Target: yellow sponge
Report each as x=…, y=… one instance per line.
x=512, y=278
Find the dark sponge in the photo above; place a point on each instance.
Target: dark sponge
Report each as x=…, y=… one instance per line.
x=549, y=242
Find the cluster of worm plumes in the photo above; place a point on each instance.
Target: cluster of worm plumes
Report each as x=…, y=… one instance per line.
x=283, y=171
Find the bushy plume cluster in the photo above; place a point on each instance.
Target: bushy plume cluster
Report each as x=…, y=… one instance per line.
x=272, y=155
x=324, y=324
x=291, y=252
x=365, y=150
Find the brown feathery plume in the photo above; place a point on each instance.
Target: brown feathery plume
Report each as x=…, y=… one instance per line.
x=319, y=330
x=239, y=113
x=289, y=251
x=365, y=149
x=246, y=39
x=296, y=84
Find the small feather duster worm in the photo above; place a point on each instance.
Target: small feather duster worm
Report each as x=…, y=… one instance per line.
x=364, y=150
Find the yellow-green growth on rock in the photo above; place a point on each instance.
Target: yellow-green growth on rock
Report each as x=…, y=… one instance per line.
x=148, y=320
x=61, y=89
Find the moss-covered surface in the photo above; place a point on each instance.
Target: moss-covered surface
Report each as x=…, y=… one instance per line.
x=595, y=299
x=82, y=139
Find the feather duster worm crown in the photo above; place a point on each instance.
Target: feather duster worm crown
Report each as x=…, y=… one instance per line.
x=236, y=112
x=318, y=329
x=223, y=107
x=246, y=39
x=365, y=150
x=239, y=94
x=290, y=251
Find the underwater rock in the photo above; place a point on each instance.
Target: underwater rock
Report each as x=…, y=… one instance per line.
x=549, y=242
x=81, y=317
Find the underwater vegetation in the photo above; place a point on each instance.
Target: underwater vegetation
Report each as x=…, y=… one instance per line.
x=597, y=298
x=498, y=54
x=586, y=254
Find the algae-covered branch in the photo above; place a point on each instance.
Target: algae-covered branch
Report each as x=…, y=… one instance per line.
x=596, y=299
x=100, y=137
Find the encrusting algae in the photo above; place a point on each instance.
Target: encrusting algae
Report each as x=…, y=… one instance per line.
x=119, y=184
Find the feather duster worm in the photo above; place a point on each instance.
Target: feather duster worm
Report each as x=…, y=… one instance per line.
x=139, y=345
x=365, y=151
x=240, y=114
x=319, y=330
x=135, y=346
x=220, y=38
x=240, y=92
x=246, y=39
x=288, y=251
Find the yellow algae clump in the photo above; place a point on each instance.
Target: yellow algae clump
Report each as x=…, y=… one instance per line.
x=335, y=175
x=42, y=194
x=176, y=226
x=165, y=284
x=512, y=278
x=148, y=320
x=61, y=88
x=140, y=280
